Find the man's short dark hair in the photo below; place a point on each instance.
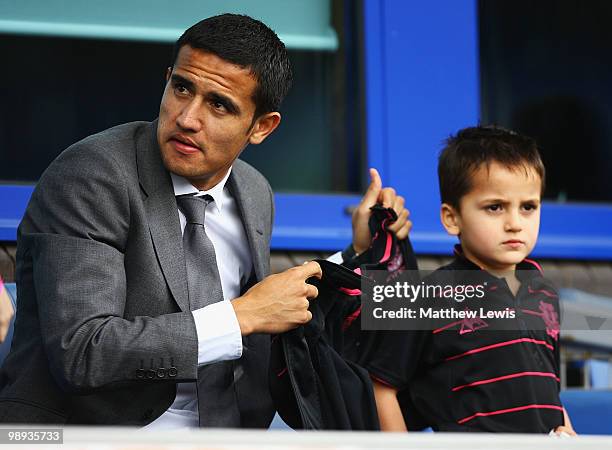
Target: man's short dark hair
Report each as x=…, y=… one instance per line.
x=474, y=147
x=248, y=43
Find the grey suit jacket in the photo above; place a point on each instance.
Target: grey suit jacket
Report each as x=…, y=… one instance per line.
x=104, y=331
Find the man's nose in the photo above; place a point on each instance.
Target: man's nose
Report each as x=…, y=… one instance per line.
x=189, y=118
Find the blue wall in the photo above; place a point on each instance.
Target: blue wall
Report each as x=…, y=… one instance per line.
x=422, y=78
x=422, y=84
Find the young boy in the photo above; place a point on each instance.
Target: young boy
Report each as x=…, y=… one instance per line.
x=472, y=375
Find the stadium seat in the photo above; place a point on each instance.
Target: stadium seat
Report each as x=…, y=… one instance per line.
x=590, y=410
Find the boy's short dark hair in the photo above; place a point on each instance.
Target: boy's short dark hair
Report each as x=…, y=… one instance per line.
x=472, y=147
x=248, y=43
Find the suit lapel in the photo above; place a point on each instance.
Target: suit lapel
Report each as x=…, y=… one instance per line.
x=251, y=219
x=162, y=215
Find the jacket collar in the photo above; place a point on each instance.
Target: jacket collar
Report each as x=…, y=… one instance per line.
x=162, y=214
x=246, y=197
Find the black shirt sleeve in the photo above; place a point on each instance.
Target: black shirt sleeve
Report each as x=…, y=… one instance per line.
x=393, y=357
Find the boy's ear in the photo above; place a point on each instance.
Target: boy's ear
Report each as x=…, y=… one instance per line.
x=450, y=219
x=263, y=127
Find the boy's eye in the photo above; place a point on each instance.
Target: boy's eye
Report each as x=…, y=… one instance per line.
x=530, y=206
x=494, y=208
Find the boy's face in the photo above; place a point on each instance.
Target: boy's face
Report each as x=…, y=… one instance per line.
x=499, y=218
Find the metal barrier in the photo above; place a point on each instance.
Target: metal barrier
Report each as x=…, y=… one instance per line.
x=126, y=438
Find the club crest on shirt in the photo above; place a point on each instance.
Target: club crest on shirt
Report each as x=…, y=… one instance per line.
x=550, y=318
x=471, y=324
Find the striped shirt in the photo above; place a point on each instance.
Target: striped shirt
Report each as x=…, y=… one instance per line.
x=472, y=375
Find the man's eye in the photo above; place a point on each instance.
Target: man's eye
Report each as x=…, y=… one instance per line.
x=181, y=89
x=218, y=106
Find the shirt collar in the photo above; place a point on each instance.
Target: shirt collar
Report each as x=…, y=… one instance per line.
x=182, y=186
x=526, y=269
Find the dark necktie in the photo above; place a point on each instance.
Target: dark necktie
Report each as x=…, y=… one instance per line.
x=217, y=402
x=203, y=278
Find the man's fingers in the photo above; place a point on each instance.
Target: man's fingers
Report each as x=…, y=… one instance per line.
x=308, y=317
x=309, y=269
x=402, y=218
x=403, y=232
x=371, y=195
x=312, y=291
x=398, y=204
x=387, y=197
x=402, y=226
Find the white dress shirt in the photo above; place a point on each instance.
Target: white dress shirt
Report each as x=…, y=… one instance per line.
x=219, y=336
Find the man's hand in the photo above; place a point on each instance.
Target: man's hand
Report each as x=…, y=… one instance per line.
x=6, y=312
x=389, y=199
x=279, y=302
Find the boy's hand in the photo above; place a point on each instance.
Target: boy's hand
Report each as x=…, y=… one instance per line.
x=389, y=411
x=564, y=429
x=389, y=199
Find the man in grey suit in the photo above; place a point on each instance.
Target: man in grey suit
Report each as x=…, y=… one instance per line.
x=117, y=323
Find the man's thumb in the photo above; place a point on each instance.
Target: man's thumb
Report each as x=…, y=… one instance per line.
x=371, y=196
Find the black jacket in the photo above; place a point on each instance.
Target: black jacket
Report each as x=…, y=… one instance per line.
x=315, y=377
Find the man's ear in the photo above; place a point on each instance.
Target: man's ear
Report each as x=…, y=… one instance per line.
x=263, y=126
x=168, y=73
x=450, y=219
